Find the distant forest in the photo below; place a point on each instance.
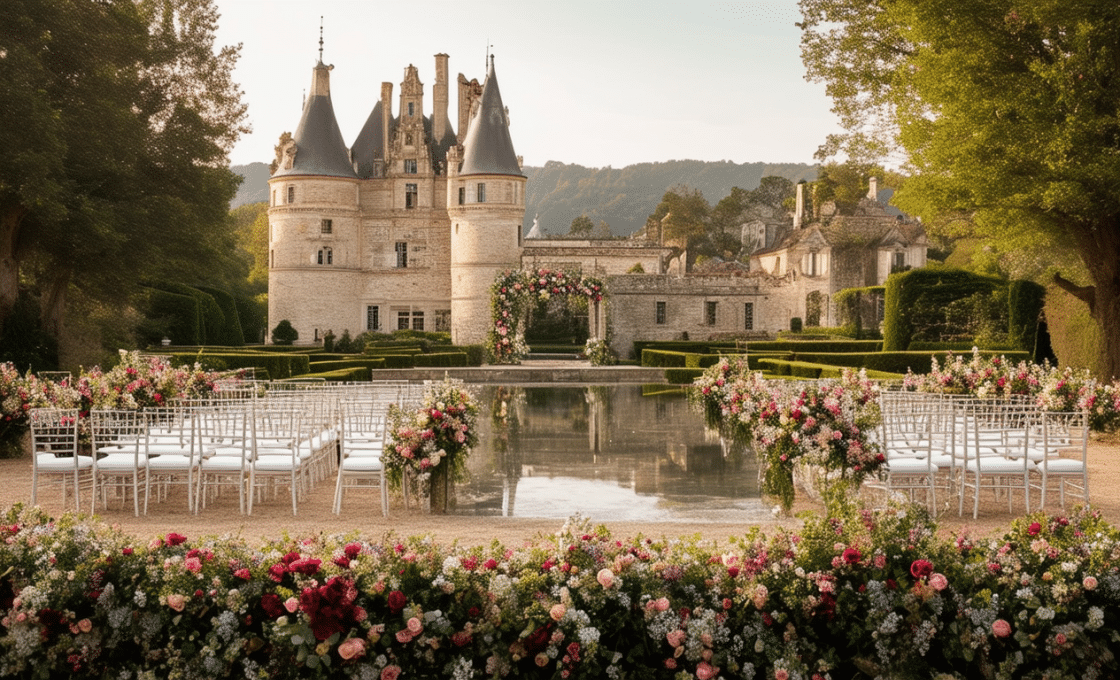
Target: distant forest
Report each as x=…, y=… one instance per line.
x=622, y=197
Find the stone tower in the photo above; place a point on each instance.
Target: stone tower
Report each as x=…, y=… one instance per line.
x=313, y=219
x=486, y=204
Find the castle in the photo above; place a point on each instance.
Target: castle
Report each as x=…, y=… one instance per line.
x=409, y=226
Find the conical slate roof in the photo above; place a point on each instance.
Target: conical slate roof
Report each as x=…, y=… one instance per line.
x=320, y=149
x=370, y=144
x=488, y=148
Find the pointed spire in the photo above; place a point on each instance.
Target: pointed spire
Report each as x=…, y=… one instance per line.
x=488, y=147
x=318, y=145
x=320, y=39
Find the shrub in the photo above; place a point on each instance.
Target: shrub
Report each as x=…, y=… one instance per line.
x=795, y=324
x=284, y=333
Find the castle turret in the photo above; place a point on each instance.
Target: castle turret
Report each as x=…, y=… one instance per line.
x=312, y=217
x=486, y=203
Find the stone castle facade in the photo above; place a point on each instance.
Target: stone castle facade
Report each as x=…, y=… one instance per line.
x=408, y=227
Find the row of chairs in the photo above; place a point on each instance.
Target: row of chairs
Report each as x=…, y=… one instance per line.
x=254, y=442
x=964, y=446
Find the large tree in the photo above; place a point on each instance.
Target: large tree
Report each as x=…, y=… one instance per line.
x=116, y=120
x=1006, y=111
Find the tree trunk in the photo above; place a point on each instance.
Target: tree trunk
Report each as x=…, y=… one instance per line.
x=52, y=305
x=1099, y=247
x=10, y=218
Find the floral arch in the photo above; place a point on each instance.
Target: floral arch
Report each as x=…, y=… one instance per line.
x=509, y=302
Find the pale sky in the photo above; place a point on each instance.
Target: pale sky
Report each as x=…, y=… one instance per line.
x=596, y=83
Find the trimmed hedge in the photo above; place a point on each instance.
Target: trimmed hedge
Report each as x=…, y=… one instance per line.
x=682, y=376
x=278, y=365
x=352, y=374
x=174, y=315
x=365, y=364
x=1025, y=300
x=892, y=362
x=440, y=360
x=230, y=333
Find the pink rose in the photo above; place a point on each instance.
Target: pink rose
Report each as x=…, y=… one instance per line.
x=706, y=671
x=193, y=564
x=1089, y=583
x=352, y=648
x=291, y=604
x=661, y=604
x=759, y=597
x=557, y=612
x=177, y=602
x=675, y=638
x=541, y=660
x=1001, y=628
x=938, y=581
x=414, y=626
x=403, y=636
x=390, y=672
x=781, y=674
x=605, y=578
x=85, y=625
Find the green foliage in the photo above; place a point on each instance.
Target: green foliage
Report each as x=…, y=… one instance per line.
x=23, y=341
x=1025, y=300
x=172, y=315
x=279, y=365
x=682, y=376
x=636, y=268
x=440, y=360
x=1073, y=333
x=920, y=304
x=1003, y=110
x=230, y=333
x=795, y=324
x=117, y=122
x=284, y=333
x=581, y=227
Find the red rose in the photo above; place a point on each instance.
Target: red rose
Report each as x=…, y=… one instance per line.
x=174, y=539
x=1034, y=529
x=308, y=566
x=397, y=601
x=352, y=550
x=851, y=556
x=271, y=604
x=921, y=568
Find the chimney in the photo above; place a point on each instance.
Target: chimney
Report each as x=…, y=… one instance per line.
x=386, y=120
x=873, y=191
x=464, y=106
x=799, y=210
x=321, y=83
x=439, y=99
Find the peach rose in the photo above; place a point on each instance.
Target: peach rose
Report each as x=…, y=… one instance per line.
x=352, y=648
x=706, y=671
x=661, y=604
x=177, y=602
x=557, y=612
x=605, y=578
x=938, y=581
x=85, y=625
x=1089, y=583
x=414, y=626
x=390, y=672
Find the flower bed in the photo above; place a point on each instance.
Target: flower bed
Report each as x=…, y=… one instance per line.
x=853, y=595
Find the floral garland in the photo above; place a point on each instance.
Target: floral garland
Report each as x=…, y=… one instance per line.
x=510, y=296
x=823, y=425
x=860, y=594
x=441, y=431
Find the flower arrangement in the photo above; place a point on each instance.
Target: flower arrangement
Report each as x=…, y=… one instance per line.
x=822, y=425
x=438, y=434
x=136, y=382
x=861, y=593
x=510, y=295
x=598, y=352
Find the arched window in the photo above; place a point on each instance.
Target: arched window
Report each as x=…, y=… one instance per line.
x=326, y=256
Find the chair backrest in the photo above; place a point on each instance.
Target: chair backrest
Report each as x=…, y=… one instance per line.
x=54, y=431
x=121, y=428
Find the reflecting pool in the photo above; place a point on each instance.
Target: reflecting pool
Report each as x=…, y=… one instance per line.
x=610, y=453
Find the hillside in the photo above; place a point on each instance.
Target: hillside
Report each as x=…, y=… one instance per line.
x=622, y=197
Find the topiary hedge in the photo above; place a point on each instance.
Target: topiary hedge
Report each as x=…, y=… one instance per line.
x=278, y=365
x=440, y=360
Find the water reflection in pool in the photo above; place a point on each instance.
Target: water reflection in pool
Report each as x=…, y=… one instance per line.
x=607, y=452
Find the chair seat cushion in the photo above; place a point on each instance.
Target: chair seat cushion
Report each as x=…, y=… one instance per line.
x=1063, y=466
x=999, y=465
x=362, y=464
x=48, y=462
x=122, y=461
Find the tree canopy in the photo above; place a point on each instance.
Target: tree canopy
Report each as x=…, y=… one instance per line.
x=1004, y=111
x=116, y=121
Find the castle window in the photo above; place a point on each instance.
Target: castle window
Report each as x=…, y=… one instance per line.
x=326, y=227
x=411, y=109
x=812, y=264
x=402, y=321
x=481, y=195
x=291, y=194
x=326, y=256
x=410, y=165
x=462, y=195
x=408, y=140
x=898, y=261
x=272, y=258
x=418, y=321
x=373, y=318
x=748, y=316
x=660, y=313
x=443, y=320
x=402, y=255
x=273, y=197
x=710, y=313
x=410, y=196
